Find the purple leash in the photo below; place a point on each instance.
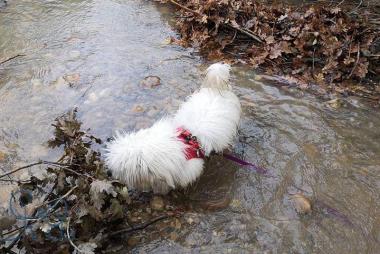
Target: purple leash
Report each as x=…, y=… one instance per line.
x=258, y=169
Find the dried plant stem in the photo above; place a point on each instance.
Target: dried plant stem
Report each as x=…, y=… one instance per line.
x=69, y=238
x=24, y=167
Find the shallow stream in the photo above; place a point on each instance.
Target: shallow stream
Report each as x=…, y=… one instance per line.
x=94, y=54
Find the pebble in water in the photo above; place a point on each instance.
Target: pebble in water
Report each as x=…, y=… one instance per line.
x=138, y=109
x=3, y=156
x=74, y=54
x=151, y=81
x=302, y=204
x=133, y=241
x=72, y=78
x=335, y=103
x=157, y=203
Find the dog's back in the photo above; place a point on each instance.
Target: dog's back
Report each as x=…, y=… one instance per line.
x=212, y=116
x=213, y=113
x=157, y=158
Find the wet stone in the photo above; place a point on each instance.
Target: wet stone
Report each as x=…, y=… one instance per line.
x=138, y=109
x=72, y=78
x=134, y=219
x=176, y=224
x=7, y=222
x=151, y=81
x=157, y=203
x=133, y=241
x=60, y=83
x=36, y=83
x=302, y=204
x=3, y=156
x=74, y=53
x=335, y=103
x=192, y=219
x=173, y=236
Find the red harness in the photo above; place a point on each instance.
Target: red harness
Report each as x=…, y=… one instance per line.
x=193, y=149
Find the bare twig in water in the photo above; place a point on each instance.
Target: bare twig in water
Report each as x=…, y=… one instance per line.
x=60, y=165
x=66, y=167
x=24, y=167
x=12, y=231
x=10, y=58
x=138, y=227
x=241, y=30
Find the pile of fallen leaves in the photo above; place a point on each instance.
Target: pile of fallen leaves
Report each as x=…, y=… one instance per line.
x=319, y=44
x=74, y=206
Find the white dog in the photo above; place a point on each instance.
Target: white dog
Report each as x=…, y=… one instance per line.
x=170, y=153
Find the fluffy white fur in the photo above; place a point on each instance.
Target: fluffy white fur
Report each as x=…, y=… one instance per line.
x=154, y=158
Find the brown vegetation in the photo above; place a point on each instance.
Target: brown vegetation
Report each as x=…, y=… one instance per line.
x=325, y=44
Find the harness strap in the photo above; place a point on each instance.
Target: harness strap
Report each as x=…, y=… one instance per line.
x=193, y=149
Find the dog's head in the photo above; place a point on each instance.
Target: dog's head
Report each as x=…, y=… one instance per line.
x=218, y=76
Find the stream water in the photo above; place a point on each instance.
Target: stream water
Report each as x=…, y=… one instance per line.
x=93, y=55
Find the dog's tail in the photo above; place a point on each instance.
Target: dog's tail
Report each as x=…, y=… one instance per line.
x=218, y=77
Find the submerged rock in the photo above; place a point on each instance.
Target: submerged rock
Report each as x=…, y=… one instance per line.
x=3, y=3
x=3, y=156
x=138, y=109
x=151, y=81
x=72, y=78
x=7, y=222
x=157, y=203
x=133, y=241
x=335, y=103
x=302, y=204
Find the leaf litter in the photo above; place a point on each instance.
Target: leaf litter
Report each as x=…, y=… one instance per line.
x=336, y=47
x=76, y=205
